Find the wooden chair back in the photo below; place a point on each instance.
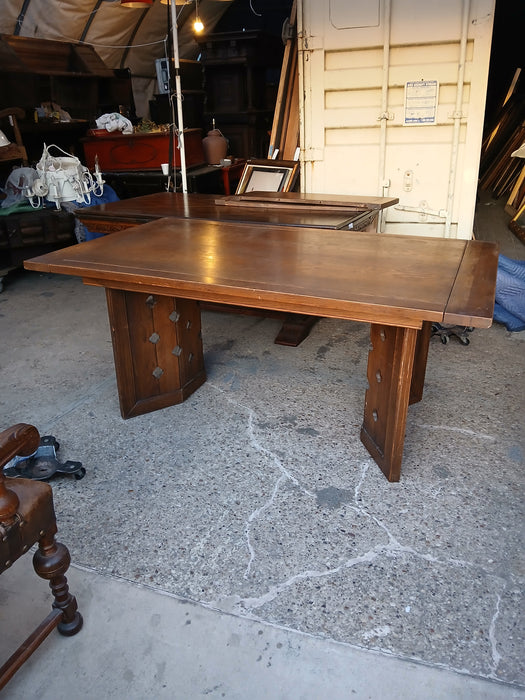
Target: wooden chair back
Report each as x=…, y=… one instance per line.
x=13, y=151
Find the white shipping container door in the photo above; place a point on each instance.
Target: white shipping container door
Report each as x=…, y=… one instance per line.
x=393, y=103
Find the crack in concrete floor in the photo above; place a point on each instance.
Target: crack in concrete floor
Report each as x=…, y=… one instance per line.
x=246, y=606
x=426, y=570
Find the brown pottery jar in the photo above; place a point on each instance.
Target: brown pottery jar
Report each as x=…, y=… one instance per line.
x=215, y=147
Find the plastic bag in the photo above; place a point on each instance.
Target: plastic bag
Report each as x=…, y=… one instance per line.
x=115, y=122
x=17, y=185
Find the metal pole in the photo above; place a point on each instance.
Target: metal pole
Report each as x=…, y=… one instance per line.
x=458, y=115
x=178, y=95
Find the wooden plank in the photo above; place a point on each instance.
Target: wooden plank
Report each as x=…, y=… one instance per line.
x=308, y=199
x=471, y=301
x=286, y=106
x=283, y=88
x=298, y=207
x=280, y=103
x=290, y=137
x=517, y=185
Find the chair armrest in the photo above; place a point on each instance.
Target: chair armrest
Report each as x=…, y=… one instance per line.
x=20, y=439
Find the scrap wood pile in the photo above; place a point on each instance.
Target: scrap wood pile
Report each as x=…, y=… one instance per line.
x=284, y=138
x=501, y=172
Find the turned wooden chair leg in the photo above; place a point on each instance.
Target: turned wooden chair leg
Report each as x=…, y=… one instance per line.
x=27, y=517
x=51, y=561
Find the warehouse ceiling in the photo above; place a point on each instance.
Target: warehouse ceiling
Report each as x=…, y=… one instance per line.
x=134, y=37
x=123, y=37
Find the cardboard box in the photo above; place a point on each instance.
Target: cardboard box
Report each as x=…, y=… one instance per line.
x=139, y=151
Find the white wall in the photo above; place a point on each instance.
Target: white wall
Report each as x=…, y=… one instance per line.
x=355, y=59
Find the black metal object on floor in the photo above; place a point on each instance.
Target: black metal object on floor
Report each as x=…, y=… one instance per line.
x=445, y=332
x=43, y=463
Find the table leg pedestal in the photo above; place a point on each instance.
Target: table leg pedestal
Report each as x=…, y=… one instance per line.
x=157, y=346
x=420, y=362
x=390, y=373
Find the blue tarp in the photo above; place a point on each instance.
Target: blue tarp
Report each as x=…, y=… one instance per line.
x=108, y=195
x=509, y=308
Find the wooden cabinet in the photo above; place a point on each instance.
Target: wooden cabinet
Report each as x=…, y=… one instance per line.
x=241, y=76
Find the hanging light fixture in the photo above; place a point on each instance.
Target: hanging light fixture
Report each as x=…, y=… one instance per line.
x=138, y=4
x=198, y=26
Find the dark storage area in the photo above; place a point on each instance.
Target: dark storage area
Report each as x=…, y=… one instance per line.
x=241, y=76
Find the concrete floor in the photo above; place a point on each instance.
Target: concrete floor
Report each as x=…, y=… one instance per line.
x=244, y=544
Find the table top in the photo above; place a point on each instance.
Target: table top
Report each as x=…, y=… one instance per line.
x=302, y=212
x=379, y=278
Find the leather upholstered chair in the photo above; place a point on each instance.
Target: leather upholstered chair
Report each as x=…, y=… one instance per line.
x=27, y=517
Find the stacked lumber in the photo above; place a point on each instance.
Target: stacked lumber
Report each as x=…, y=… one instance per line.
x=284, y=138
x=516, y=198
x=501, y=172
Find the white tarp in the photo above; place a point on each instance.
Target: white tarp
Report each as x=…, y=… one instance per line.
x=122, y=37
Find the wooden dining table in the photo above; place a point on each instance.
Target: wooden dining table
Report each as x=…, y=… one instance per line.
x=349, y=212
x=156, y=275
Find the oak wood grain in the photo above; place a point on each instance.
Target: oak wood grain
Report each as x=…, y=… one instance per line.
x=397, y=280
x=471, y=301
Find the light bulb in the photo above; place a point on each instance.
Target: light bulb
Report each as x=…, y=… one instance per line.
x=198, y=26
